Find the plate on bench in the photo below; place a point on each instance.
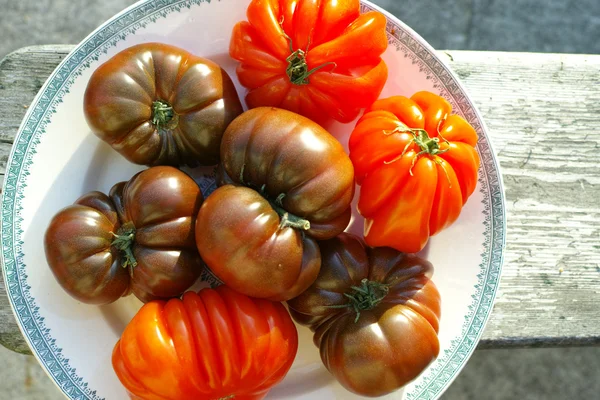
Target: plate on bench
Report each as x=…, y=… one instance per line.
x=56, y=158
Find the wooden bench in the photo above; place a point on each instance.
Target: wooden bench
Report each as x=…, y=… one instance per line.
x=543, y=114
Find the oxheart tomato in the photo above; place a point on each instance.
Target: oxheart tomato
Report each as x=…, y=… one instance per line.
x=417, y=164
x=214, y=344
x=157, y=104
x=321, y=59
x=139, y=239
x=287, y=182
x=375, y=315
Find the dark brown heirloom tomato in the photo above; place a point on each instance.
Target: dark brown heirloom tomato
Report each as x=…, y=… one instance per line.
x=375, y=314
x=79, y=252
x=160, y=105
x=287, y=182
x=140, y=239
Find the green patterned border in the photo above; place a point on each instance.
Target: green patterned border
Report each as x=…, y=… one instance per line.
x=437, y=378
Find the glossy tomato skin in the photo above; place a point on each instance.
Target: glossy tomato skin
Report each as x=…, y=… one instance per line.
x=213, y=344
x=78, y=249
x=240, y=237
x=162, y=204
x=332, y=36
x=158, y=208
x=276, y=166
x=387, y=346
x=294, y=156
x=121, y=94
x=406, y=197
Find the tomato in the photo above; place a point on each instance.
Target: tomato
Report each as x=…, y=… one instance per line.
x=417, y=164
x=286, y=182
x=160, y=105
x=321, y=59
x=139, y=239
x=374, y=313
x=214, y=344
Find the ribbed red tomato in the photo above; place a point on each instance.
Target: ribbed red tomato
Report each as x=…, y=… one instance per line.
x=321, y=59
x=214, y=344
x=417, y=164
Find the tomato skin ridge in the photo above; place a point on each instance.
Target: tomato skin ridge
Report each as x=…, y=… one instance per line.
x=215, y=343
x=425, y=131
x=337, y=66
x=284, y=182
x=154, y=104
x=359, y=346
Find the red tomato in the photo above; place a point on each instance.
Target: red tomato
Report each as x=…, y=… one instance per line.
x=214, y=344
x=417, y=165
x=320, y=59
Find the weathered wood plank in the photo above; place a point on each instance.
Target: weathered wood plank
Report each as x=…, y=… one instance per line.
x=543, y=111
x=22, y=74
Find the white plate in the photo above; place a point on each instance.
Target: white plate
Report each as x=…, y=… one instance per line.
x=56, y=158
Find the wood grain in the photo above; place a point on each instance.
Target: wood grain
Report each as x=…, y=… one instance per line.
x=543, y=114
x=22, y=74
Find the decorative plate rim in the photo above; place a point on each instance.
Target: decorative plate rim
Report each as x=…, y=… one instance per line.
x=31, y=323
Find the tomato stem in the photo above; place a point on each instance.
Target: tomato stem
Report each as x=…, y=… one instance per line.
x=287, y=219
x=428, y=145
x=297, y=69
x=162, y=113
x=123, y=241
x=293, y=221
x=364, y=297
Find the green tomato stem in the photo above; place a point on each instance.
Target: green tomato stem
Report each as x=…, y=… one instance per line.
x=123, y=241
x=364, y=297
x=297, y=69
x=162, y=113
x=287, y=219
x=429, y=146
